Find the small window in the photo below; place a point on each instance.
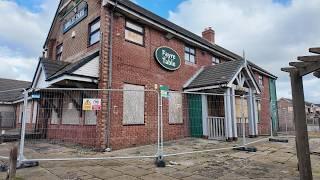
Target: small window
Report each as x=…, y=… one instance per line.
x=260, y=80
x=134, y=33
x=190, y=54
x=215, y=60
x=133, y=104
x=94, y=32
x=59, y=50
x=259, y=110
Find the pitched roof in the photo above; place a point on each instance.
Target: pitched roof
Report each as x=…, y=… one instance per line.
x=218, y=74
x=70, y=68
x=252, y=65
x=150, y=15
x=51, y=67
x=146, y=13
x=11, y=90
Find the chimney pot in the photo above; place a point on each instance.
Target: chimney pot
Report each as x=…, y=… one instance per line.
x=209, y=35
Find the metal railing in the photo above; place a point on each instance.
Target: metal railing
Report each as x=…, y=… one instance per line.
x=216, y=128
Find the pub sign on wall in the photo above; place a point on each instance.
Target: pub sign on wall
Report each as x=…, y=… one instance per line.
x=168, y=58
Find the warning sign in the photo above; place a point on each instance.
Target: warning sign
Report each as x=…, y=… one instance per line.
x=91, y=104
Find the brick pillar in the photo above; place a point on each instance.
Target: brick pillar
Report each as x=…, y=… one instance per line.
x=103, y=79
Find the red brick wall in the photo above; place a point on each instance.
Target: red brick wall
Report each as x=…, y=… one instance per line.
x=73, y=48
x=285, y=115
x=136, y=64
x=264, y=124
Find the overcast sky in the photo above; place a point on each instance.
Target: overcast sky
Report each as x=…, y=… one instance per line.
x=271, y=32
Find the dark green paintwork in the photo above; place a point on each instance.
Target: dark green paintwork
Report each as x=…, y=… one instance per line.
x=195, y=115
x=168, y=58
x=273, y=104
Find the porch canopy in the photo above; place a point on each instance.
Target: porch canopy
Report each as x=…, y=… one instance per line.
x=232, y=79
x=83, y=73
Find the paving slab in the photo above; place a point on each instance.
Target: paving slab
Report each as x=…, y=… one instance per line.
x=101, y=172
x=133, y=171
x=157, y=176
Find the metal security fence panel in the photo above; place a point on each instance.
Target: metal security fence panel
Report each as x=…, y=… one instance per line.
x=71, y=124
x=205, y=122
x=11, y=111
x=199, y=121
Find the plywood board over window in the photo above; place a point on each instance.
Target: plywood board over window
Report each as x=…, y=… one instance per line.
x=90, y=117
x=70, y=113
x=175, y=108
x=133, y=104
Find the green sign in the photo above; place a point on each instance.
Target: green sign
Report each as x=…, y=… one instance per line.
x=164, y=91
x=168, y=58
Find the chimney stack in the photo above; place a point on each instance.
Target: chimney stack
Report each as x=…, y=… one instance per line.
x=208, y=34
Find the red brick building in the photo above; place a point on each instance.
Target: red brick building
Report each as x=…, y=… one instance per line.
x=119, y=45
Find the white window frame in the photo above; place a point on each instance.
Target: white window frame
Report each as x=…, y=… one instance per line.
x=215, y=60
x=190, y=54
x=136, y=30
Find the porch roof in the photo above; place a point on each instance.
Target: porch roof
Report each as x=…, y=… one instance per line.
x=222, y=75
x=54, y=71
x=216, y=75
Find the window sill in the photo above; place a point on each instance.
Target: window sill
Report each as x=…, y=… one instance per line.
x=190, y=63
x=132, y=42
x=90, y=45
x=134, y=124
x=176, y=123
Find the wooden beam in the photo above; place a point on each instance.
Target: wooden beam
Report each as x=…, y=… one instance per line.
x=317, y=74
x=315, y=58
x=288, y=69
x=315, y=50
x=299, y=64
x=310, y=68
x=302, y=140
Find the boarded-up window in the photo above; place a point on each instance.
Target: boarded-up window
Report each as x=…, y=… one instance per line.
x=35, y=112
x=54, y=112
x=133, y=104
x=70, y=113
x=90, y=117
x=243, y=108
x=29, y=110
x=175, y=108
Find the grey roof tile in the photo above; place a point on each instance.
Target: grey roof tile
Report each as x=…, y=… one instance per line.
x=70, y=68
x=216, y=74
x=146, y=13
x=11, y=90
x=51, y=67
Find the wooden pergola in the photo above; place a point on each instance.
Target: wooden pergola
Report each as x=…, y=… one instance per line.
x=305, y=65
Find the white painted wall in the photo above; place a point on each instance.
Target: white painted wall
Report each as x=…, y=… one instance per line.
x=41, y=80
x=90, y=69
x=204, y=115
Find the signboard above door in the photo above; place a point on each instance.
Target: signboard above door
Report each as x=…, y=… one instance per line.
x=75, y=15
x=168, y=58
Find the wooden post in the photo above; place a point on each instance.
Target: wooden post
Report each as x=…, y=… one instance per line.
x=302, y=140
x=13, y=163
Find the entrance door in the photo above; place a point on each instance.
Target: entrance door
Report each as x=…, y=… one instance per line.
x=216, y=120
x=195, y=115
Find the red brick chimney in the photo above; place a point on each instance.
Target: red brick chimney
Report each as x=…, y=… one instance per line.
x=208, y=34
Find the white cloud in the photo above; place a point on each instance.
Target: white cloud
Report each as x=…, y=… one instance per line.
x=23, y=33
x=271, y=34
x=16, y=66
